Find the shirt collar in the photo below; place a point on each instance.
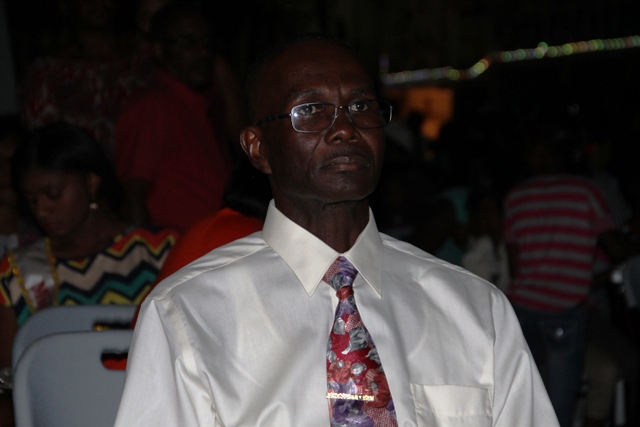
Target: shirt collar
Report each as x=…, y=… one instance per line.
x=309, y=257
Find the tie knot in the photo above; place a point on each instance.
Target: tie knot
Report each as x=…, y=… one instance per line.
x=341, y=273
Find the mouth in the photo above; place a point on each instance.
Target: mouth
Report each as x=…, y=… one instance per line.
x=349, y=161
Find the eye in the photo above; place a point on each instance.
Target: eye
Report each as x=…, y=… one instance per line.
x=306, y=110
x=360, y=106
x=53, y=193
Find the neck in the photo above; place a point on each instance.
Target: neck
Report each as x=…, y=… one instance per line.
x=96, y=232
x=336, y=224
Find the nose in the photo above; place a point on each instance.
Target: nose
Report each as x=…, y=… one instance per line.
x=343, y=129
x=40, y=208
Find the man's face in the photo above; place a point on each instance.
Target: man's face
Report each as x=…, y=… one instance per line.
x=339, y=164
x=185, y=53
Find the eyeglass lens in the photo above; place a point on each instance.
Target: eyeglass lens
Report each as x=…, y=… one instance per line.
x=316, y=117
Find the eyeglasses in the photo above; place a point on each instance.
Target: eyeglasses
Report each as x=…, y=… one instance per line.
x=320, y=116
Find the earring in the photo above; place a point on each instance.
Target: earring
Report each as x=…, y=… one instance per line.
x=93, y=205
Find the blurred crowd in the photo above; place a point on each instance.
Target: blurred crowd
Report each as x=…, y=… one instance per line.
x=131, y=138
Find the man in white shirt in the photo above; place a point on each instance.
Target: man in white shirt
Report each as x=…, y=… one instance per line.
x=239, y=337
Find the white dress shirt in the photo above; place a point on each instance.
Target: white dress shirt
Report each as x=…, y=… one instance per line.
x=239, y=338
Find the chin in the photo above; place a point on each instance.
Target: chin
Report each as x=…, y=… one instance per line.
x=347, y=195
x=353, y=190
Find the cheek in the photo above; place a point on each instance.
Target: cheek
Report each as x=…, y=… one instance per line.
x=73, y=204
x=378, y=146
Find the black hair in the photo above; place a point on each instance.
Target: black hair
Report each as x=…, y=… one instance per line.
x=63, y=147
x=248, y=190
x=257, y=66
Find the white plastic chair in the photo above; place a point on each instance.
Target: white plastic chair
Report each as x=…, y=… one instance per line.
x=60, y=380
x=68, y=318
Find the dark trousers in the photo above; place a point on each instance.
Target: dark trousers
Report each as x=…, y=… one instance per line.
x=557, y=341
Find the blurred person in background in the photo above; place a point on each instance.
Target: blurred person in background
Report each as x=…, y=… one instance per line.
x=169, y=156
x=246, y=199
x=88, y=255
x=485, y=253
x=226, y=90
x=88, y=80
x=555, y=221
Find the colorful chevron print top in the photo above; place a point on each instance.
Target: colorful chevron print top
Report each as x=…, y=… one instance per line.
x=121, y=273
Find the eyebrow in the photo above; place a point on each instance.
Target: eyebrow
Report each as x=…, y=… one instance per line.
x=296, y=94
x=368, y=90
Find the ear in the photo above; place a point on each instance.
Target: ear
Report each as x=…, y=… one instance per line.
x=93, y=184
x=250, y=140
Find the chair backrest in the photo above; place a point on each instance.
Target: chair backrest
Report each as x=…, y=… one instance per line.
x=68, y=319
x=631, y=281
x=60, y=380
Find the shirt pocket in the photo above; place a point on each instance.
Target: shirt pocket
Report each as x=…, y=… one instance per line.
x=452, y=406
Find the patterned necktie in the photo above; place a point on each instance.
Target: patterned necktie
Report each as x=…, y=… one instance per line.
x=357, y=388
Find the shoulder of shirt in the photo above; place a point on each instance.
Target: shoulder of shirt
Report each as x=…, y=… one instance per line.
x=418, y=258
x=223, y=256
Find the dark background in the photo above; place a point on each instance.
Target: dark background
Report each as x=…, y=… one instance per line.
x=601, y=89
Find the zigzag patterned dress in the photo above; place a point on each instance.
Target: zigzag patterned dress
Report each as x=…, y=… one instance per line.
x=121, y=273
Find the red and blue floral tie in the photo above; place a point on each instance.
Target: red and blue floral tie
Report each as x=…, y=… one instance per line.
x=357, y=388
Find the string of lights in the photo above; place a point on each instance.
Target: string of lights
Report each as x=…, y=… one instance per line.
x=541, y=51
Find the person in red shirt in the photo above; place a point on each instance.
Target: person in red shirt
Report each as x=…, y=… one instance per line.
x=169, y=155
x=246, y=200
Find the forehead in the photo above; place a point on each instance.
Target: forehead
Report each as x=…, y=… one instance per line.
x=313, y=67
x=38, y=177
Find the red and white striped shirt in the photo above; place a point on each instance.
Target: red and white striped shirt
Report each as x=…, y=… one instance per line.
x=554, y=222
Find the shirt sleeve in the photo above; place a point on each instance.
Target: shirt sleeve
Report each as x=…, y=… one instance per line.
x=162, y=386
x=520, y=398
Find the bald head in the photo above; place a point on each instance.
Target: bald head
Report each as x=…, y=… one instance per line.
x=261, y=73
